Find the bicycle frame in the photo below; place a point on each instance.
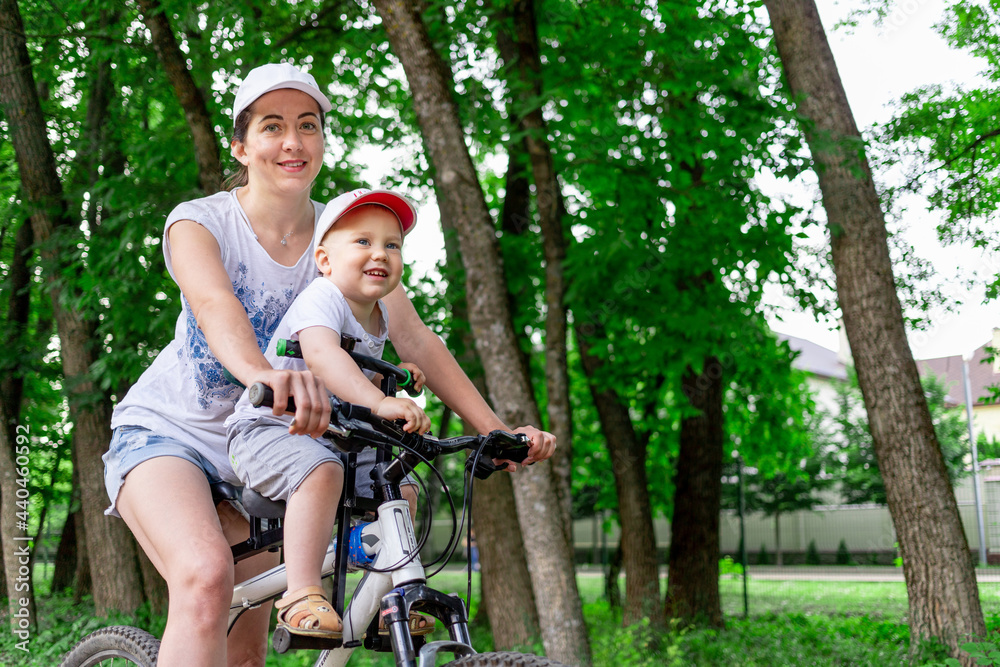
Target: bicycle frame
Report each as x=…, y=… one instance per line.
x=394, y=583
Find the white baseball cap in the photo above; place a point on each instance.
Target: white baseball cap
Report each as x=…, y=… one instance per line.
x=275, y=76
x=400, y=206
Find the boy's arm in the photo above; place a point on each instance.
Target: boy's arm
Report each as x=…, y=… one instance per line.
x=327, y=360
x=415, y=342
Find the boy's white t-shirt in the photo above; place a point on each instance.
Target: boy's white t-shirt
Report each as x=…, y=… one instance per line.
x=183, y=394
x=321, y=304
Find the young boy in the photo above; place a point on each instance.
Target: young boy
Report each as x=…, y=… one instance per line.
x=358, y=249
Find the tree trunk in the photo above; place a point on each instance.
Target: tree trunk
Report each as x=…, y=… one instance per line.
x=64, y=569
x=635, y=514
x=521, y=55
x=550, y=559
x=18, y=587
x=507, y=593
x=3, y=568
x=693, y=575
x=778, y=558
x=612, y=591
x=115, y=576
x=940, y=577
x=154, y=587
x=507, y=598
x=83, y=583
x=206, y=147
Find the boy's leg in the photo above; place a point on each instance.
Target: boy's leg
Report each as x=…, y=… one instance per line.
x=309, y=519
x=409, y=493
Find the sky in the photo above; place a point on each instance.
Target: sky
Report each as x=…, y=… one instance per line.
x=877, y=66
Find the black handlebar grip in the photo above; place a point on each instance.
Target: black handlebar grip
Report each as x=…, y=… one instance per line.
x=511, y=446
x=262, y=395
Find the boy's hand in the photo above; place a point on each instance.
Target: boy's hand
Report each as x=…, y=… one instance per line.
x=404, y=408
x=416, y=374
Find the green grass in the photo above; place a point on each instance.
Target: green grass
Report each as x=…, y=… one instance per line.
x=791, y=623
x=878, y=600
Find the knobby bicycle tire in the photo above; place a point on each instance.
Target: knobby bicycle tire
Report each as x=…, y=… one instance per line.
x=115, y=645
x=504, y=659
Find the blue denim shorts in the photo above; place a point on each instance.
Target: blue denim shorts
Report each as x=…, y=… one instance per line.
x=132, y=445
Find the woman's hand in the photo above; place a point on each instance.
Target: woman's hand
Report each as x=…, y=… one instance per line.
x=416, y=374
x=543, y=445
x=312, y=403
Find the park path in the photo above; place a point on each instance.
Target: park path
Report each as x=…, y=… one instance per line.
x=848, y=573
x=984, y=575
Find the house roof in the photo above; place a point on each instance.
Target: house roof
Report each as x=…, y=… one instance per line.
x=815, y=359
x=822, y=362
x=981, y=375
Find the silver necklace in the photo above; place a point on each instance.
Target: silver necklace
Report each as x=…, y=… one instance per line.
x=246, y=219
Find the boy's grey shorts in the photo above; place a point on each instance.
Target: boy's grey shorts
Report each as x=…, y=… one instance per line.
x=274, y=463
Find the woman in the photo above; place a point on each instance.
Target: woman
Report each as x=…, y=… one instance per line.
x=240, y=257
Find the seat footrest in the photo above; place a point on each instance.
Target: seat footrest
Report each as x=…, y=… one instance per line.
x=284, y=641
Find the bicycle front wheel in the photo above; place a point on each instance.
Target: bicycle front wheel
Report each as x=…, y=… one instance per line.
x=504, y=659
x=115, y=646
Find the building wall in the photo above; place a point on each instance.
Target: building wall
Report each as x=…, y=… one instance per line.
x=864, y=528
x=986, y=419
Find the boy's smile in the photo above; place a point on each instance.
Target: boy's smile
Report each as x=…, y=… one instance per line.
x=362, y=255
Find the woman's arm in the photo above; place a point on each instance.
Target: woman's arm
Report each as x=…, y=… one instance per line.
x=196, y=261
x=417, y=343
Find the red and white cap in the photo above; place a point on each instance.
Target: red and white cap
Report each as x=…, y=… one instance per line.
x=400, y=206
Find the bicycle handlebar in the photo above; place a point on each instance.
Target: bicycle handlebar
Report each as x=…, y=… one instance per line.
x=403, y=377
x=346, y=418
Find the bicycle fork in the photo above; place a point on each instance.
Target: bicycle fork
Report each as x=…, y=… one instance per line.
x=395, y=585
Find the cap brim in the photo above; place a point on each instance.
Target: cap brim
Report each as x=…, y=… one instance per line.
x=324, y=104
x=401, y=207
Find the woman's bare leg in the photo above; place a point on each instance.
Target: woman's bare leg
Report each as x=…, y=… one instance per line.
x=247, y=641
x=167, y=503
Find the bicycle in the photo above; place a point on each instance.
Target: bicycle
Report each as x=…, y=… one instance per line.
x=394, y=583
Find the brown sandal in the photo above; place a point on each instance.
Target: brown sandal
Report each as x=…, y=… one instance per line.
x=416, y=629
x=308, y=612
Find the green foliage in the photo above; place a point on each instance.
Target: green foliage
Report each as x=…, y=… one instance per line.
x=763, y=557
x=851, y=456
x=984, y=653
x=642, y=646
x=730, y=568
x=843, y=555
x=799, y=639
x=946, y=138
x=812, y=554
x=986, y=447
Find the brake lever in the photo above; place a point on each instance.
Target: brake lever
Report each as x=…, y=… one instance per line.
x=484, y=466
